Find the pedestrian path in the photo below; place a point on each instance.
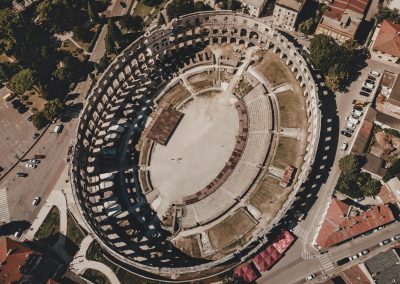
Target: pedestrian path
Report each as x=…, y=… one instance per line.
x=300, y=232
x=4, y=211
x=326, y=262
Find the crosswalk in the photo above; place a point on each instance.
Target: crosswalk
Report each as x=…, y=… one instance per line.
x=305, y=254
x=300, y=232
x=4, y=211
x=326, y=262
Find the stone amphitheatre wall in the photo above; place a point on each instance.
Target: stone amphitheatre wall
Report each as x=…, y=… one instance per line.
x=134, y=68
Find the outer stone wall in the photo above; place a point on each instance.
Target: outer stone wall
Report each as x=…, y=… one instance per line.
x=134, y=69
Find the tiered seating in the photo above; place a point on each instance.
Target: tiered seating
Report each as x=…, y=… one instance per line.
x=189, y=217
x=241, y=178
x=256, y=148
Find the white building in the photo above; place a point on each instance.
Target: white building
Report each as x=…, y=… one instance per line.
x=286, y=13
x=254, y=7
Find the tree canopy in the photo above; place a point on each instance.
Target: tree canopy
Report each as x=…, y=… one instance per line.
x=180, y=7
x=349, y=164
x=22, y=81
x=392, y=171
x=132, y=23
x=385, y=13
x=52, y=110
x=337, y=62
x=39, y=120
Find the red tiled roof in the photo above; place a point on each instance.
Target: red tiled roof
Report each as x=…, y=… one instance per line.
x=337, y=228
x=246, y=272
x=387, y=195
x=12, y=255
x=338, y=7
x=388, y=39
x=267, y=258
x=284, y=242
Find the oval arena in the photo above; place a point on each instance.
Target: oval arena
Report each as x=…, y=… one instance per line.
x=193, y=144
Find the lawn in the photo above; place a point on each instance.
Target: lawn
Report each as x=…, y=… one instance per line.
x=142, y=10
x=292, y=109
x=50, y=226
x=287, y=153
x=231, y=229
x=268, y=198
x=95, y=276
x=75, y=236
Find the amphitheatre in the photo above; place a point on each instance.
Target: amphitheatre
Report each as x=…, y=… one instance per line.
x=193, y=144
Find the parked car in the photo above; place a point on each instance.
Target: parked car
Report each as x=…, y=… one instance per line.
x=368, y=86
x=344, y=146
x=374, y=73
x=364, y=252
x=384, y=242
x=36, y=201
x=349, y=130
x=345, y=133
x=310, y=277
x=370, y=82
x=35, y=136
x=366, y=89
x=357, y=112
x=358, y=108
x=33, y=161
x=371, y=78
x=351, y=125
x=33, y=166
x=39, y=156
x=352, y=120
x=365, y=94
x=395, y=238
x=353, y=257
x=342, y=261
x=58, y=128
x=18, y=233
x=22, y=174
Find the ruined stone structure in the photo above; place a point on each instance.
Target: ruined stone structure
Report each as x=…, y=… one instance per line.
x=115, y=205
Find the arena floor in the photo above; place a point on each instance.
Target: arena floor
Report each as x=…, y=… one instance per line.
x=199, y=147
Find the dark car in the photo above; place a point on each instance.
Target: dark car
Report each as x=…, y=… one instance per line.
x=365, y=94
x=22, y=109
x=358, y=108
x=39, y=156
x=22, y=174
x=35, y=135
x=370, y=82
x=366, y=90
x=343, y=261
x=349, y=130
x=345, y=133
x=372, y=78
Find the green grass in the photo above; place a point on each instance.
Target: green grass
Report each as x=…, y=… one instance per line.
x=96, y=276
x=142, y=10
x=74, y=232
x=50, y=226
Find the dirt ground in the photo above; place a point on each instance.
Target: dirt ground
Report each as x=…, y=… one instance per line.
x=174, y=96
x=202, y=80
x=189, y=245
x=292, y=109
x=385, y=146
x=231, y=229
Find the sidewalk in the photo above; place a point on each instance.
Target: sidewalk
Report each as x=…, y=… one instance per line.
x=80, y=263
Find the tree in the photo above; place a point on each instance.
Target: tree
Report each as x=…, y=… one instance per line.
x=392, y=171
x=104, y=63
x=5, y=4
x=132, y=23
x=161, y=20
x=109, y=44
x=347, y=184
x=39, y=120
x=349, y=164
x=11, y=24
x=335, y=77
x=22, y=81
x=52, y=110
x=7, y=70
x=152, y=3
x=92, y=12
x=180, y=7
x=385, y=13
x=306, y=26
x=82, y=33
x=114, y=32
x=372, y=187
x=201, y=6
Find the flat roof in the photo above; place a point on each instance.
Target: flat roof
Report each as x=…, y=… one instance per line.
x=385, y=267
x=295, y=5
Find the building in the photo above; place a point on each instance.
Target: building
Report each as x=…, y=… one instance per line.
x=385, y=267
x=375, y=166
x=342, y=19
x=286, y=13
x=20, y=264
x=385, y=45
x=254, y=7
x=343, y=222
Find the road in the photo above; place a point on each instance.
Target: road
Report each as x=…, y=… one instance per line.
x=293, y=269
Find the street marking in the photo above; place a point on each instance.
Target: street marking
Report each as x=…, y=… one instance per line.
x=4, y=211
x=326, y=262
x=300, y=232
x=305, y=254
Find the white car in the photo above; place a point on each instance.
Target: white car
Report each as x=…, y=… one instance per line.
x=357, y=112
x=353, y=257
x=36, y=201
x=352, y=120
x=384, y=242
x=31, y=166
x=374, y=73
x=33, y=161
x=364, y=252
x=310, y=277
x=344, y=146
x=351, y=126
x=395, y=238
x=368, y=86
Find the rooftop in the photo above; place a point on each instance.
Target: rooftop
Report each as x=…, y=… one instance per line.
x=338, y=227
x=374, y=165
x=385, y=267
x=255, y=3
x=354, y=275
x=388, y=120
x=388, y=39
x=294, y=5
x=361, y=142
x=394, y=97
x=12, y=256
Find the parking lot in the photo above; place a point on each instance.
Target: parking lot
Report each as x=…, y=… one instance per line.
x=16, y=134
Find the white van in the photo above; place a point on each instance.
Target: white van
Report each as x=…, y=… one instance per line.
x=8, y=97
x=106, y=176
x=352, y=120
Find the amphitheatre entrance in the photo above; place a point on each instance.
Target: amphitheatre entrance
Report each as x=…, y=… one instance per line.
x=199, y=148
